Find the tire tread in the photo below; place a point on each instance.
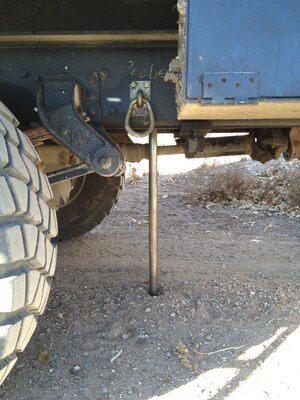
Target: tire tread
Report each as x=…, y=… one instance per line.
x=27, y=256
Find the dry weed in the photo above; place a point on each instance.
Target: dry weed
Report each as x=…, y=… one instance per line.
x=133, y=177
x=277, y=186
x=221, y=186
x=293, y=196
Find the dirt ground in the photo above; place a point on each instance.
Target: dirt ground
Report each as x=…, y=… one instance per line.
x=230, y=301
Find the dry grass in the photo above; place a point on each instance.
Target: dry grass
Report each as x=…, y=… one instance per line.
x=294, y=189
x=211, y=184
x=228, y=186
x=133, y=177
x=278, y=185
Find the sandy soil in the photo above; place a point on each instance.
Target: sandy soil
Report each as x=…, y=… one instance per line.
x=231, y=301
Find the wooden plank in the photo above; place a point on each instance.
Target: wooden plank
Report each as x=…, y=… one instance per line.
x=262, y=110
x=90, y=39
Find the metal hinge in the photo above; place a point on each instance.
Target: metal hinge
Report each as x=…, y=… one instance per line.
x=230, y=87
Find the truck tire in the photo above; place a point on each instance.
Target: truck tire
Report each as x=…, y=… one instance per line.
x=27, y=256
x=89, y=205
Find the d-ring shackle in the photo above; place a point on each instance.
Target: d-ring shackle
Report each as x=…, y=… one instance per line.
x=140, y=101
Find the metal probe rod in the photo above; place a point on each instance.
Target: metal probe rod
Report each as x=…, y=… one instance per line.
x=153, y=240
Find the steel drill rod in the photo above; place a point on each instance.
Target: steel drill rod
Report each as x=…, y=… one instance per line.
x=153, y=240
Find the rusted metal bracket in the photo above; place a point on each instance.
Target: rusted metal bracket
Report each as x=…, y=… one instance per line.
x=268, y=145
x=137, y=86
x=140, y=109
x=220, y=146
x=67, y=173
x=60, y=107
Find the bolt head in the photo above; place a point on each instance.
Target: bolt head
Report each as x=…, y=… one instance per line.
x=91, y=78
x=133, y=85
x=113, y=110
x=147, y=84
x=105, y=162
x=104, y=74
x=63, y=130
x=91, y=94
x=24, y=73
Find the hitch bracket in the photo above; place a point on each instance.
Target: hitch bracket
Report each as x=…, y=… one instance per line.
x=60, y=107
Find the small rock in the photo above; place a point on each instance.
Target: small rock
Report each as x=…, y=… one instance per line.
x=44, y=356
x=142, y=338
x=76, y=368
x=106, y=300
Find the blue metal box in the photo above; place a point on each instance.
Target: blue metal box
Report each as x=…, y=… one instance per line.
x=241, y=59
